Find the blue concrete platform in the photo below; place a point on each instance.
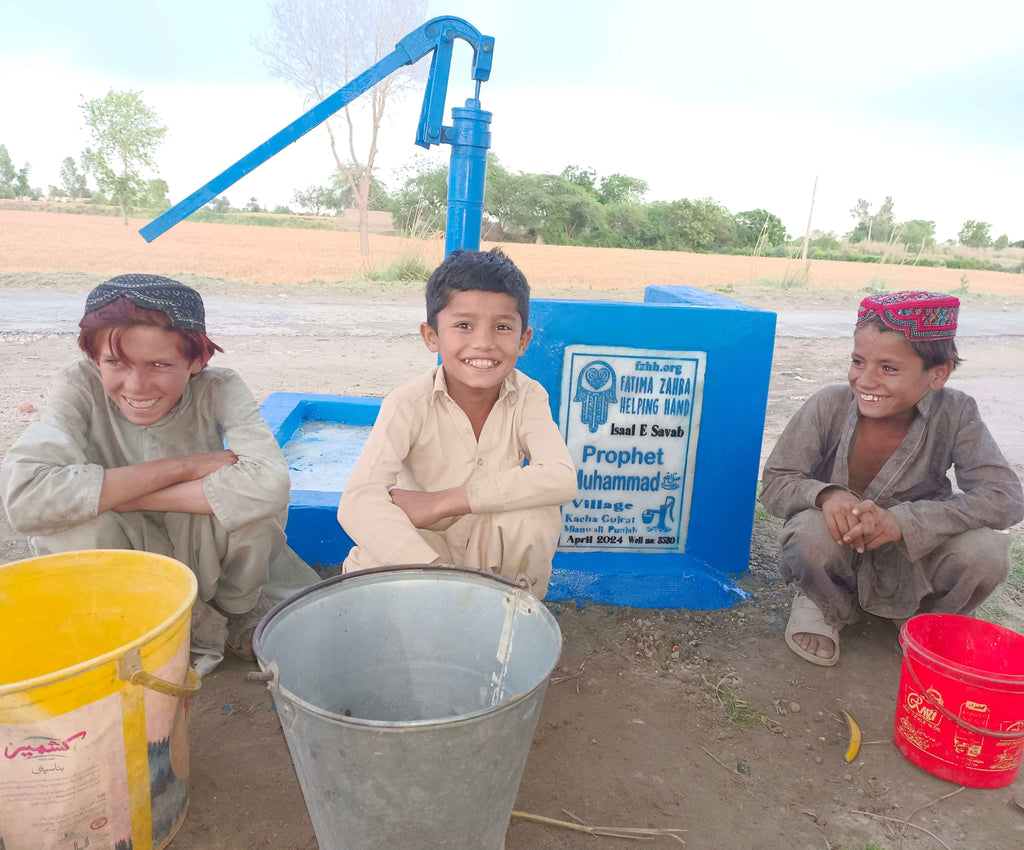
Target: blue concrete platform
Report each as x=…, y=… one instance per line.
x=671, y=441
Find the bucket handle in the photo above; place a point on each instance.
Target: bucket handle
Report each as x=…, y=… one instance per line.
x=1012, y=735
x=129, y=669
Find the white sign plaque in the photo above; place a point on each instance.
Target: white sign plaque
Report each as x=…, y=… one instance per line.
x=631, y=419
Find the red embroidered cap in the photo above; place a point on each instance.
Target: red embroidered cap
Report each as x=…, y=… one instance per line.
x=920, y=315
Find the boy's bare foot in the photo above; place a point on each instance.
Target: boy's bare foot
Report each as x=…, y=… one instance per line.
x=241, y=628
x=809, y=636
x=818, y=645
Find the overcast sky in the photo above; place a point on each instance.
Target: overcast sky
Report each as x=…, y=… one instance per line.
x=745, y=102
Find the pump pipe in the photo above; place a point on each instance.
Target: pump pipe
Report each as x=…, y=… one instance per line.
x=469, y=136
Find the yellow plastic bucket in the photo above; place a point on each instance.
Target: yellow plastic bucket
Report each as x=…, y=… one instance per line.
x=94, y=688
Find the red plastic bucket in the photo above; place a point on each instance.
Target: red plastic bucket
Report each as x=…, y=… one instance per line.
x=960, y=708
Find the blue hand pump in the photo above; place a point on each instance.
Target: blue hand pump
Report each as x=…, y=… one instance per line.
x=469, y=135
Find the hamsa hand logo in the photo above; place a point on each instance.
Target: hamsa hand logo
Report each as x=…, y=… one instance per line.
x=595, y=390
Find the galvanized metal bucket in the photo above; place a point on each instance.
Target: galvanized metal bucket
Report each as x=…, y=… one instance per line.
x=409, y=697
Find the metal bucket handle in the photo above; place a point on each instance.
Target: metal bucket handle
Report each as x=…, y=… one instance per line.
x=1011, y=735
x=129, y=669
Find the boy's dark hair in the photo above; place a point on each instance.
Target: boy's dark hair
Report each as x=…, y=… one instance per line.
x=486, y=271
x=934, y=352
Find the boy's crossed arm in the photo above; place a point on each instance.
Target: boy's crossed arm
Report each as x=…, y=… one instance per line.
x=168, y=484
x=426, y=509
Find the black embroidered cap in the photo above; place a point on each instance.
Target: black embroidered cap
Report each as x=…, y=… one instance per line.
x=180, y=303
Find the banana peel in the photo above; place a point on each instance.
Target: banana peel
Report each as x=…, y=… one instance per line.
x=853, y=747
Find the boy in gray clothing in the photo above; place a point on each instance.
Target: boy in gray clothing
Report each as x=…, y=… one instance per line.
x=860, y=476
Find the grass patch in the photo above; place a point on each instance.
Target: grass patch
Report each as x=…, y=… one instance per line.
x=1005, y=607
x=738, y=711
x=790, y=280
x=876, y=286
x=1016, y=577
x=407, y=269
x=760, y=513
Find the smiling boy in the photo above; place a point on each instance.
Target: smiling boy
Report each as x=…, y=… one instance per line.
x=442, y=478
x=860, y=476
x=130, y=454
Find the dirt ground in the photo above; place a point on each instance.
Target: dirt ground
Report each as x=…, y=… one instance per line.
x=631, y=733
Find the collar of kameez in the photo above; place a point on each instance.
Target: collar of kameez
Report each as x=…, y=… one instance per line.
x=918, y=314
x=508, y=386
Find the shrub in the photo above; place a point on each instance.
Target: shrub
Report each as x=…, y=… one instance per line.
x=409, y=268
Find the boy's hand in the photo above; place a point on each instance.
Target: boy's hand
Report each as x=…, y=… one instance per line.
x=838, y=507
x=199, y=466
x=427, y=509
x=875, y=527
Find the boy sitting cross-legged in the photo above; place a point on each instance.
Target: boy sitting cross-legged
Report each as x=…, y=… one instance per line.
x=442, y=478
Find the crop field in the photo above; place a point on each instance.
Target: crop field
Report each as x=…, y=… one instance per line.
x=49, y=242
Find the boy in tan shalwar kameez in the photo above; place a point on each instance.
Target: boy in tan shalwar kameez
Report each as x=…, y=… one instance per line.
x=143, y=446
x=442, y=477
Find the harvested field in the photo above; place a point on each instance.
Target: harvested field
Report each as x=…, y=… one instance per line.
x=33, y=241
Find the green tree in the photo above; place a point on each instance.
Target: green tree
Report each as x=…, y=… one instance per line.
x=585, y=178
x=8, y=173
x=72, y=181
x=877, y=227
x=975, y=234
x=862, y=215
x=126, y=134
x=917, y=234
x=1002, y=242
x=419, y=207
x=14, y=181
x=699, y=225
x=824, y=240
x=318, y=200
x=883, y=223
x=154, y=196
x=347, y=200
x=759, y=228
x=220, y=204
x=320, y=45
x=572, y=212
x=621, y=188
x=627, y=225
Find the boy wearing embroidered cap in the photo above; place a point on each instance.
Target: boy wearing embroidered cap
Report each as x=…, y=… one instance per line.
x=860, y=476
x=130, y=454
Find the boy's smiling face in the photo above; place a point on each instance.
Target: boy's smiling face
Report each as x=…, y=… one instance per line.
x=149, y=379
x=479, y=337
x=888, y=377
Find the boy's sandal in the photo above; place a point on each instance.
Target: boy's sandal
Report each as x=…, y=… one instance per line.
x=806, y=618
x=241, y=628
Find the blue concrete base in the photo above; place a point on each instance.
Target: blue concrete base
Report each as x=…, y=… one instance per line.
x=612, y=578
x=313, y=529
x=641, y=581
x=737, y=341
